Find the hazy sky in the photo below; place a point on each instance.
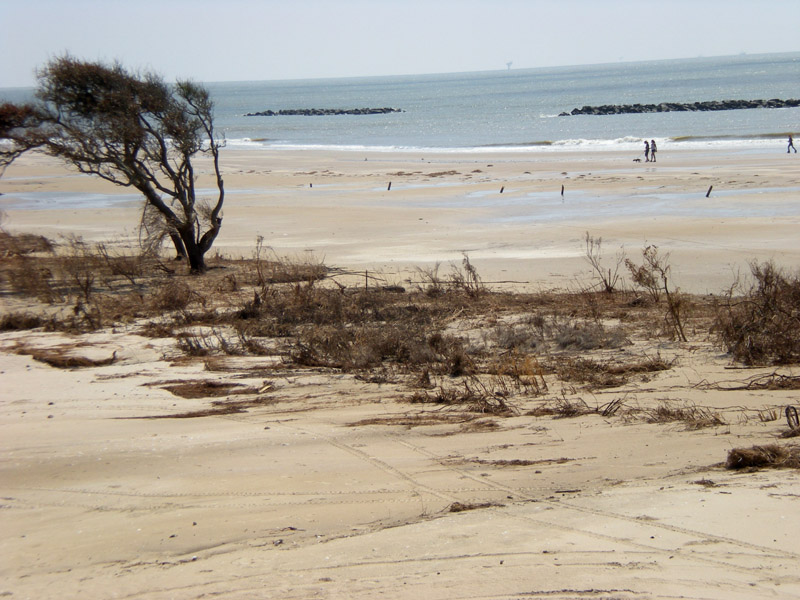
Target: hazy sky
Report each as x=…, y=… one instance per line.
x=230, y=40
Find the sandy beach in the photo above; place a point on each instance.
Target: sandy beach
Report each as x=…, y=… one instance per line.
x=326, y=487
x=338, y=206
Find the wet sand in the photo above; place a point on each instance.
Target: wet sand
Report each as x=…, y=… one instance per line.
x=505, y=210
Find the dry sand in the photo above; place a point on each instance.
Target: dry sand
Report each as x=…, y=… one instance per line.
x=289, y=500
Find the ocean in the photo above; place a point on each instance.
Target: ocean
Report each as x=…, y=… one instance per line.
x=517, y=109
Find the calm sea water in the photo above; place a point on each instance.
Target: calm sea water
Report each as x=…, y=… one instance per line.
x=517, y=109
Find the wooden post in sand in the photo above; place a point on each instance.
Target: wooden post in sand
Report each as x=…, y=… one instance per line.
x=502, y=188
x=708, y=193
x=390, y=186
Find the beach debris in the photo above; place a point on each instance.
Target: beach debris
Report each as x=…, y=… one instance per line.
x=771, y=455
x=792, y=417
x=708, y=193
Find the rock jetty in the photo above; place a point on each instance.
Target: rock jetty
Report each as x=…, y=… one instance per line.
x=619, y=109
x=321, y=112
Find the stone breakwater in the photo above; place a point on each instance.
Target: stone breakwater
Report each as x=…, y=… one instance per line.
x=317, y=112
x=619, y=109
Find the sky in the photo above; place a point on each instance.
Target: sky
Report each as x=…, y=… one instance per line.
x=248, y=40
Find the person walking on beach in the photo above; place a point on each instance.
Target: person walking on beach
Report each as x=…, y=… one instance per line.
x=653, y=151
x=791, y=145
x=646, y=151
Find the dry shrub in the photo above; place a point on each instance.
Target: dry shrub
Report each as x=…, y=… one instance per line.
x=22, y=321
x=654, y=277
x=462, y=280
x=251, y=344
x=525, y=371
x=23, y=243
x=588, y=371
x=538, y=333
x=171, y=296
x=302, y=304
x=204, y=342
x=467, y=279
x=155, y=329
x=693, y=417
x=599, y=375
x=762, y=325
x=369, y=345
x=128, y=266
x=588, y=335
x=562, y=408
x=81, y=265
x=473, y=396
x=30, y=278
x=267, y=268
x=771, y=455
x=608, y=276
x=520, y=337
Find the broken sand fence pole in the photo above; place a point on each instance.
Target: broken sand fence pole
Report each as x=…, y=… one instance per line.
x=502, y=188
x=390, y=186
x=708, y=193
x=562, y=190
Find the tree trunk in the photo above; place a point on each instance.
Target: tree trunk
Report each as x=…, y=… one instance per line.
x=180, y=249
x=197, y=262
x=194, y=252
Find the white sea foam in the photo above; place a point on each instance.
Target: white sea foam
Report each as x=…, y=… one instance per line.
x=623, y=144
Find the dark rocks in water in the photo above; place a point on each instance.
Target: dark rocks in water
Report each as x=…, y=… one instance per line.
x=620, y=109
x=317, y=112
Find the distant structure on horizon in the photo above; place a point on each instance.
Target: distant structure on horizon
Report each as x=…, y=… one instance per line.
x=509, y=63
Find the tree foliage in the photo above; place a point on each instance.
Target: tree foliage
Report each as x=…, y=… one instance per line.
x=132, y=130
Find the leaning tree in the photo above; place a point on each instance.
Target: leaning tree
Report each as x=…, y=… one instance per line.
x=132, y=130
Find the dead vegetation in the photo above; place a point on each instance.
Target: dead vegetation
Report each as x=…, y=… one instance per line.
x=760, y=457
x=691, y=416
x=770, y=381
x=759, y=322
x=464, y=506
x=204, y=388
x=218, y=408
x=460, y=350
x=426, y=419
x=61, y=359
